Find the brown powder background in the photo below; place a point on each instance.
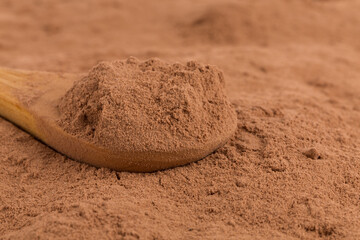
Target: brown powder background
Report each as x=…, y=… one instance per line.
x=291, y=171
x=148, y=106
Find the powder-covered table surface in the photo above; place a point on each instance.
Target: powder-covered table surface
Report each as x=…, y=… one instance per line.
x=292, y=171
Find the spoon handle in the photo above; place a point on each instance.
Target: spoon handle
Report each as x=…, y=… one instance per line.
x=12, y=83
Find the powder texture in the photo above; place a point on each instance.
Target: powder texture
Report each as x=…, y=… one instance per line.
x=149, y=105
x=292, y=74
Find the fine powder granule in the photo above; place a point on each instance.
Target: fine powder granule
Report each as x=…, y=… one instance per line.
x=150, y=105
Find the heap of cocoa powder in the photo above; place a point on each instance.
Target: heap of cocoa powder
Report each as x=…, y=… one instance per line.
x=150, y=105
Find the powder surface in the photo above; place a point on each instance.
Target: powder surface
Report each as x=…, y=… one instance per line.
x=150, y=105
x=292, y=73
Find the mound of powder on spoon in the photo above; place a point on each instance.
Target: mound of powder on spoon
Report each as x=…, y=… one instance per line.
x=148, y=106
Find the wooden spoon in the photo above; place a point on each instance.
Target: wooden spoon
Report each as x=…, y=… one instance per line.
x=29, y=99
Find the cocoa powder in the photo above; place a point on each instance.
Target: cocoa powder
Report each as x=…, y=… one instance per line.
x=150, y=105
x=292, y=73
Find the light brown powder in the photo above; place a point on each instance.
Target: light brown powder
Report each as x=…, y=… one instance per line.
x=292, y=73
x=149, y=105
